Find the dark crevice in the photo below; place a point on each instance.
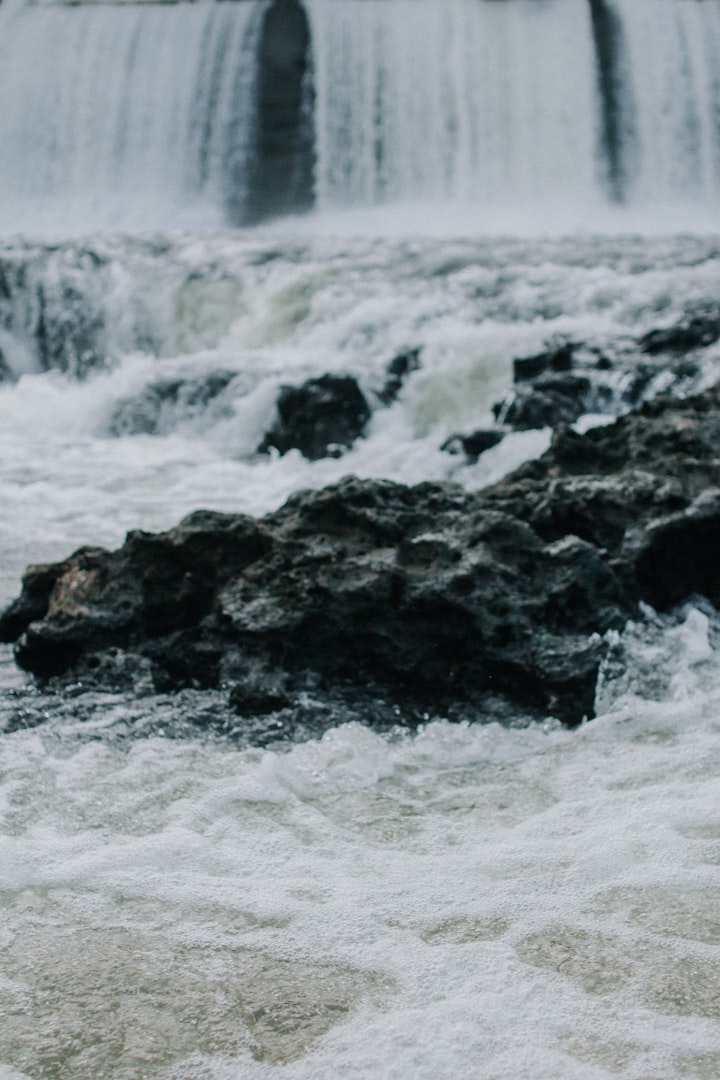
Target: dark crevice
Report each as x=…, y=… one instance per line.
x=615, y=109
x=282, y=158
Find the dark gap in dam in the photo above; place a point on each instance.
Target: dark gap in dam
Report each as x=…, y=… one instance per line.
x=615, y=111
x=281, y=160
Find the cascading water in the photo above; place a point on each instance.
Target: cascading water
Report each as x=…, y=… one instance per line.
x=135, y=120
x=188, y=892
x=468, y=101
x=191, y=114
x=672, y=82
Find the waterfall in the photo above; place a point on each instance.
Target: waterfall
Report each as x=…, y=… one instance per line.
x=207, y=114
x=672, y=78
x=463, y=100
x=124, y=112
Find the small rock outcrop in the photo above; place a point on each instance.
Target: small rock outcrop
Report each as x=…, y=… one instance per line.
x=396, y=373
x=547, y=401
x=696, y=330
x=321, y=418
x=557, y=356
x=474, y=444
x=153, y=410
x=571, y=378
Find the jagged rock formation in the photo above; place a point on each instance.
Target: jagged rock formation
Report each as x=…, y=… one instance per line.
x=321, y=418
x=427, y=597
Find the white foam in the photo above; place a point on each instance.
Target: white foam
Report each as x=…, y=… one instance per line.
x=466, y=901
x=497, y=884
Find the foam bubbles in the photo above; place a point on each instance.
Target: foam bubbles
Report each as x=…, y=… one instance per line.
x=466, y=900
x=533, y=903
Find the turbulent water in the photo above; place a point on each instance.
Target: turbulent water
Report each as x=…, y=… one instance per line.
x=462, y=900
x=513, y=903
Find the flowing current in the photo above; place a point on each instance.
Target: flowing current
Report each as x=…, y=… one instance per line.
x=511, y=903
x=189, y=115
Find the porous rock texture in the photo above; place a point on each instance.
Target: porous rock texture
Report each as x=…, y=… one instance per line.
x=429, y=598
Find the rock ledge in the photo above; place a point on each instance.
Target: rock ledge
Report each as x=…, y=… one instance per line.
x=426, y=599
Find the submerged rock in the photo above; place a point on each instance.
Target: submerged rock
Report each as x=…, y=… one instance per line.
x=153, y=410
x=568, y=380
x=558, y=356
x=396, y=373
x=321, y=418
x=696, y=330
x=548, y=401
x=474, y=444
x=417, y=600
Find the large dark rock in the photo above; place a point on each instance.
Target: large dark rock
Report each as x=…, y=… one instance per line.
x=321, y=418
x=696, y=330
x=425, y=600
x=427, y=590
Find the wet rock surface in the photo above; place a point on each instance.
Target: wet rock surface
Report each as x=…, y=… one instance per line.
x=557, y=356
x=397, y=371
x=474, y=444
x=408, y=600
x=547, y=401
x=571, y=378
x=696, y=330
x=321, y=418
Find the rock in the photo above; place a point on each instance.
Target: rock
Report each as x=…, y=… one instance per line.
x=321, y=418
x=412, y=601
x=694, y=331
x=258, y=695
x=568, y=668
x=118, y=671
x=550, y=400
x=426, y=591
x=573, y=387
x=6, y=374
x=676, y=555
x=568, y=379
x=475, y=444
x=398, y=370
x=147, y=592
x=38, y=584
x=558, y=356
x=526, y=411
